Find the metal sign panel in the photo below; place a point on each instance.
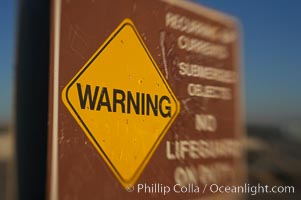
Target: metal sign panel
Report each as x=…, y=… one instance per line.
x=122, y=102
x=144, y=101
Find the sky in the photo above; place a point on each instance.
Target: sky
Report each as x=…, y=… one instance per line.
x=7, y=43
x=271, y=57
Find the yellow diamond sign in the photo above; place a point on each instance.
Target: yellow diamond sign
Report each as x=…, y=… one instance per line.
x=122, y=102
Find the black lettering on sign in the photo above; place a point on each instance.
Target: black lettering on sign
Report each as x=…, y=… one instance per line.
x=104, y=100
x=88, y=95
x=123, y=101
x=118, y=98
x=133, y=103
x=153, y=105
x=167, y=108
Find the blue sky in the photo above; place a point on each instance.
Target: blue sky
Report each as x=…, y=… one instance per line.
x=7, y=42
x=272, y=56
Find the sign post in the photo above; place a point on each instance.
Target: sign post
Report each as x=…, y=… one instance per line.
x=144, y=101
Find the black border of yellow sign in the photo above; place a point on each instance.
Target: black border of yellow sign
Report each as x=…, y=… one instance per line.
x=132, y=180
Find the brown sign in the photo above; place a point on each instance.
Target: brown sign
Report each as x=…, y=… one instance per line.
x=144, y=101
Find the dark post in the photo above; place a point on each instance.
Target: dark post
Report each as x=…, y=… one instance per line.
x=31, y=97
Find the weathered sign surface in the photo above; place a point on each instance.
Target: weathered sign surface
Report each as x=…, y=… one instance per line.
x=144, y=100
